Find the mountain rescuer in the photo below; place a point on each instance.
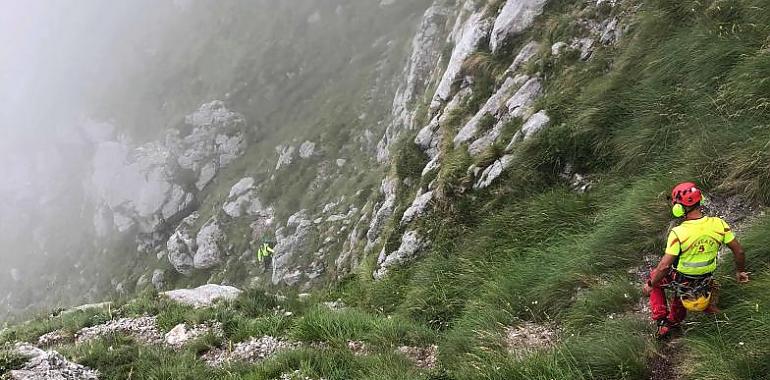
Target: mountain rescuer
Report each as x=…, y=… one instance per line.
x=688, y=266
x=264, y=253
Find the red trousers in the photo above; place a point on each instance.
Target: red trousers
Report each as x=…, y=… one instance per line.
x=658, y=306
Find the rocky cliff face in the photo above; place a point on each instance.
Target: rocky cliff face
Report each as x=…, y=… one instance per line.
x=153, y=186
x=200, y=200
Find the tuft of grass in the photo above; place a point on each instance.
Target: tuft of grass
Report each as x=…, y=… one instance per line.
x=10, y=359
x=71, y=322
x=118, y=357
x=339, y=327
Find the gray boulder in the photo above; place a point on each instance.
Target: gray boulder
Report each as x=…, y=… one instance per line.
x=218, y=134
x=520, y=104
x=418, y=207
x=291, y=242
x=411, y=244
x=243, y=200
x=244, y=185
x=159, y=279
x=515, y=17
x=208, y=172
x=177, y=201
x=203, y=296
x=558, y=47
x=492, y=172
x=611, y=32
x=138, y=185
x=534, y=124
x=525, y=55
x=181, y=245
x=491, y=108
x=307, y=149
x=209, y=240
x=383, y=211
x=429, y=137
x=285, y=156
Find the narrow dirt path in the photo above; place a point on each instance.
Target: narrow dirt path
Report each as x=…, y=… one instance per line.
x=665, y=363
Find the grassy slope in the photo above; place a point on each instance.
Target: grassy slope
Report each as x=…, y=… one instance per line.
x=684, y=96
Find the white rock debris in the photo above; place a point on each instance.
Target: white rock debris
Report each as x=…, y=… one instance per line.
x=579, y=183
x=203, y=296
x=358, y=347
x=53, y=338
x=251, y=351
x=298, y=375
x=335, y=305
x=608, y=2
x=143, y=329
x=48, y=365
x=181, y=334
x=611, y=32
x=423, y=357
x=525, y=339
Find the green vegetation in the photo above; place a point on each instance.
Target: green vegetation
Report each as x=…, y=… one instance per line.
x=9, y=360
x=682, y=96
x=673, y=100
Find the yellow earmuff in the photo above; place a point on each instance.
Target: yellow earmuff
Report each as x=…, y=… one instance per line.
x=678, y=210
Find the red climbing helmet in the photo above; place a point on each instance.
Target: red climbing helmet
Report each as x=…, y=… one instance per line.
x=687, y=194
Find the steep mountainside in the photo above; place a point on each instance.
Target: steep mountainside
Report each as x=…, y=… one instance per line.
x=454, y=189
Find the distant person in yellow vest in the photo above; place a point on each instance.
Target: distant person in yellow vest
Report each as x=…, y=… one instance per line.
x=689, y=263
x=265, y=253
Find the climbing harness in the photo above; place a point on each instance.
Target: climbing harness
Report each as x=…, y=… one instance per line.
x=694, y=291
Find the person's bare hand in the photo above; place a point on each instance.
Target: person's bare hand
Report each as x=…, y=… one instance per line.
x=742, y=277
x=646, y=289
